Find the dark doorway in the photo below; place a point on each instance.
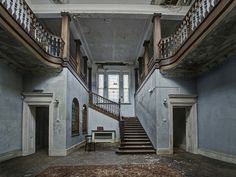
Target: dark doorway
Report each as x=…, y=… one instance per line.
x=42, y=127
x=179, y=129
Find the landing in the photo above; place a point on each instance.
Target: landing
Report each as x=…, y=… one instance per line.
x=183, y=163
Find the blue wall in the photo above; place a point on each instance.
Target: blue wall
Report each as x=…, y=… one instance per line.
x=10, y=109
x=217, y=108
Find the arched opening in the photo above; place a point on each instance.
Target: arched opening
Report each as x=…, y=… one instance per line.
x=85, y=120
x=75, y=117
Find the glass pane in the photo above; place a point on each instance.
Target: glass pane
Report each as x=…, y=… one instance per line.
x=113, y=94
x=101, y=81
x=126, y=96
x=113, y=81
x=125, y=81
x=101, y=92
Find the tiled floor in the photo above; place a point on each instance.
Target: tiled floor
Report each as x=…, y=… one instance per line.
x=188, y=164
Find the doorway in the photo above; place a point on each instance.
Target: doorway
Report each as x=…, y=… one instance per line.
x=179, y=128
x=42, y=128
x=183, y=123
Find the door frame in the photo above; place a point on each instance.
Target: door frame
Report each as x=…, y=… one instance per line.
x=185, y=101
x=32, y=100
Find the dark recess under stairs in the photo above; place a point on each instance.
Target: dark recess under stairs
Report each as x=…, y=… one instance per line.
x=135, y=139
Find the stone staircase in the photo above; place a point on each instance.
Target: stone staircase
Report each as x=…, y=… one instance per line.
x=135, y=139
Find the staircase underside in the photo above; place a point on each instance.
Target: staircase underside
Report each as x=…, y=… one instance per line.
x=214, y=48
x=135, y=139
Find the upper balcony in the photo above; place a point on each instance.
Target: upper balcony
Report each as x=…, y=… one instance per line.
x=205, y=38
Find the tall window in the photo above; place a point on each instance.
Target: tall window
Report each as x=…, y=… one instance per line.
x=85, y=120
x=126, y=88
x=101, y=84
x=113, y=87
x=75, y=117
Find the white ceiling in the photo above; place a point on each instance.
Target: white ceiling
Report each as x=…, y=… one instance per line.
x=114, y=37
x=93, y=1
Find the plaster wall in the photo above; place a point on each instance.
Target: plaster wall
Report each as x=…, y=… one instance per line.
x=97, y=119
x=217, y=109
x=75, y=89
x=56, y=84
x=150, y=109
x=10, y=109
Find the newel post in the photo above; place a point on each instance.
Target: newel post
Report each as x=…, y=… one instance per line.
x=156, y=35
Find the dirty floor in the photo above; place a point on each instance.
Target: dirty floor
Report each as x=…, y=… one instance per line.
x=106, y=161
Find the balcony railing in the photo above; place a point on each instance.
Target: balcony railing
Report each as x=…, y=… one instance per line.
x=195, y=16
x=24, y=16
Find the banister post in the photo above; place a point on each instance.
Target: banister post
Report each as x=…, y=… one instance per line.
x=156, y=36
x=65, y=34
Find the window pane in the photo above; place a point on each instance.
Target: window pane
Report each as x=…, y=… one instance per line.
x=113, y=87
x=113, y=94
x=101, y=81
x=101, y=84
x=125, y=81
x=113, y=81
x=126, y=96
x=126, y=88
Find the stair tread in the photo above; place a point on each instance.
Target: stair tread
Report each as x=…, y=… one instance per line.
x=136, y=151
x=138, y=147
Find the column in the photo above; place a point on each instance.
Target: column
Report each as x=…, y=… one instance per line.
x=85, y=66
x=146, y=57
x=90, y=79
x=78, y=55
x=156, y=35
x=65, y=34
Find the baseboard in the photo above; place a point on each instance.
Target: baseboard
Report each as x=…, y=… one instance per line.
x=75, y=147
x=10, y=155
x=218, y=155
x=163, y=151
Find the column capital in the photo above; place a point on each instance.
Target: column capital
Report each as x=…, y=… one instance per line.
x=156, y=15
x=66, y=14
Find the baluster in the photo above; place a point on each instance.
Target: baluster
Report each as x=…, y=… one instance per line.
x=3, y=2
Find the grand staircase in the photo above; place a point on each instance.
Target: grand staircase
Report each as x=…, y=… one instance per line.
x=135, y=139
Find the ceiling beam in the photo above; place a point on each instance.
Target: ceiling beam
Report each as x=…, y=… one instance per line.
x=54, y=10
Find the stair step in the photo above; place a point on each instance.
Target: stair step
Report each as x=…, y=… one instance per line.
x=135, y=133
x=135, y=151
x=136, y=147
x=137, y=139
x=135, y=136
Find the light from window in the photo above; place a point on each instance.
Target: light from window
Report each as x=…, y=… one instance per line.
x=126, y=88
x=101, y=85
x=113, y=87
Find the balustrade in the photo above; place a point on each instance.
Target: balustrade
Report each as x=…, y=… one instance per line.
x=24, y=16
x=195, y=16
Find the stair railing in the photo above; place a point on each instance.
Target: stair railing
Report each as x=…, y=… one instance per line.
x=192, y=20
x=24, y=16
x=104, y=104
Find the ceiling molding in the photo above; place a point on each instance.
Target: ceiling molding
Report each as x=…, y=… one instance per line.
x=54, y=10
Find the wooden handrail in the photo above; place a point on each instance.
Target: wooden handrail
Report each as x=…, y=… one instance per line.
x=24, y=16
x=199, y=11
x=104, y=104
